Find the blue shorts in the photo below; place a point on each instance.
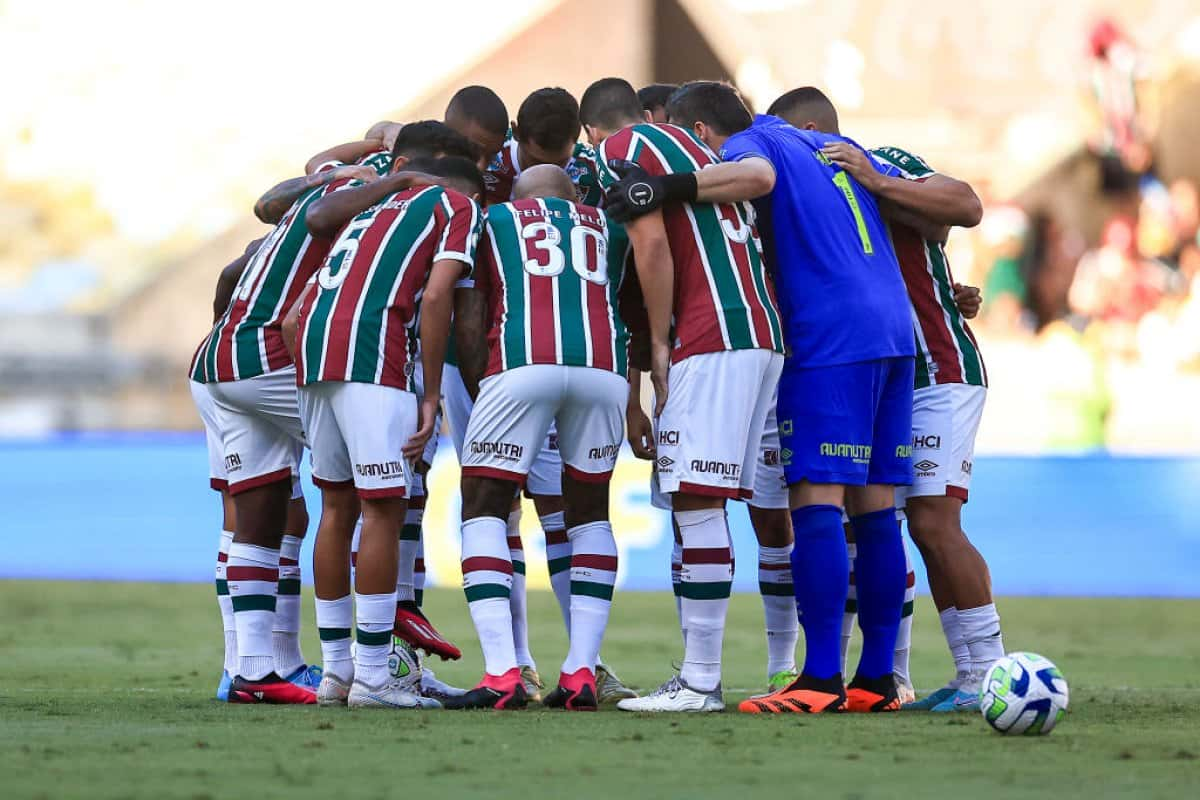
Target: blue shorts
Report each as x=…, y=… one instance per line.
x=849, y=424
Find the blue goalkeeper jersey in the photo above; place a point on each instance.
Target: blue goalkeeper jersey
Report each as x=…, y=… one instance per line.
x=838, y=283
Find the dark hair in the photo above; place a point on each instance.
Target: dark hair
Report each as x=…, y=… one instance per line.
x=656, y=95
x=610, y=103
x=806, y=104
x=717, y=105
x=431, y=138
x=481, y=105
x=549, y=118
x=455, y=168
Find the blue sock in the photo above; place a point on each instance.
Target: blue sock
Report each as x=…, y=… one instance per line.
x=820, y=575
x=880, y=580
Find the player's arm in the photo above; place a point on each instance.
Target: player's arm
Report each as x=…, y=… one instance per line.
x=900, y=215
x=470, y=336
x=638, y=429
x=230, y=275
x=346, y=153
x=939, y=198
x=638, y=192
x=330, y=214
x=437, y=305
x=656, y=276
x=290, y=326
x=271, y=207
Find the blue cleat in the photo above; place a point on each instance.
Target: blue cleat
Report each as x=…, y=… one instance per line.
x=961, y=701
x=306, y=677
x=929, y=701
x=223, y=687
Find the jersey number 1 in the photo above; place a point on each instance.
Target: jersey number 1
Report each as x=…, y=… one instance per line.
x=842, y=181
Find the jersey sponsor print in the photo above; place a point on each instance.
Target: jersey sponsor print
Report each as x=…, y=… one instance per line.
x=946, y=348
x=724, y=299
x=360, y=323
x=552, y=270
x=246, y=341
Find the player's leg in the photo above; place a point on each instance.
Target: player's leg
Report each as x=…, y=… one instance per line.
x=900, y=665
x=411, y=623
x=850, y=615
x=545, y=489
x=285, y=635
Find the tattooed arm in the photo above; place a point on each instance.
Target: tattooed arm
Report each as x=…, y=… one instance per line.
x=271, y=207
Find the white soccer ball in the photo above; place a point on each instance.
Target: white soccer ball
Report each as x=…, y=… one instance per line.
x=1023, y=693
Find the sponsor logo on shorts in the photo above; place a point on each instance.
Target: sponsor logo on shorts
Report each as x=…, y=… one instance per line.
x=858, y=453
x=721, y=468
x=388, y=470
x=233, y=462
x=904, y=451
x=505, y=451
x=925, y=468
x=785, y=457
x=603, y=453
x=770, y=458
x=927, y=442
x=664, y=463
x=966, y=467
x=668, y=438
x=552, y=441
x=785, y=427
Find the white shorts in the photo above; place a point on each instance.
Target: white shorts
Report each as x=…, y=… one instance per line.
x=709, y=437
x=545, y=475
x=207, y=407
x=516, y=408
x=261, y=434
x=770, y=485
x=356, y=432
x=945, y=420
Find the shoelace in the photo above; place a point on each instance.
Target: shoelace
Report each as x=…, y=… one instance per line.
x=671, y=687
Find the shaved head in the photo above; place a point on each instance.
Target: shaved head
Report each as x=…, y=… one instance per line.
x=544, y=180
x=806, y=107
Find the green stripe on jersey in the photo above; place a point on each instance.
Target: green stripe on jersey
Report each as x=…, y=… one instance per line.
x=972, y=363
x=568, y=288
x=506, y=237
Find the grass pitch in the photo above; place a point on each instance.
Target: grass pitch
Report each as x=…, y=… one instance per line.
x=107, y=692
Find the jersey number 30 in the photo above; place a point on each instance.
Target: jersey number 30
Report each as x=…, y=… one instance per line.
x=545, y=256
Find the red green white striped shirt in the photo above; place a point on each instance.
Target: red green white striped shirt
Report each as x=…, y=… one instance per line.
x=946, y=348
x=552, y=270
x=360, y=323
x=724, y=298
x=504, y=170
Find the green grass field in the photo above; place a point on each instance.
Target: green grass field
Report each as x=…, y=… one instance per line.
x=107, y=692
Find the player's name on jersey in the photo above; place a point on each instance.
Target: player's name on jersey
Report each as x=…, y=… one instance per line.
x=573, y=214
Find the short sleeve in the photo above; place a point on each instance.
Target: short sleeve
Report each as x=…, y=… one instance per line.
x=897, y=163
x=746, y=144
x=461, y=226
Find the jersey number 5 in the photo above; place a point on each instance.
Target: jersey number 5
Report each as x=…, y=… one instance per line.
x=545, y=257
x=842, y=181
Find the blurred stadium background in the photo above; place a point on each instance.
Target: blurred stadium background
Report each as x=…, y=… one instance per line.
x=129, y=163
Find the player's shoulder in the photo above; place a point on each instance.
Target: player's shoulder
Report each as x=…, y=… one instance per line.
x=907, y=163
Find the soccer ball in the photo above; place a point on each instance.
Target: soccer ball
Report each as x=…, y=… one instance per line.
x=1023, y=693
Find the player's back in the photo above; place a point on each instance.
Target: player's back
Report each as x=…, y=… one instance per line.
x=552, y=270
x=840, y=290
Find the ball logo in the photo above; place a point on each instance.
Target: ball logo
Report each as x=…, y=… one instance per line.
x=641, y=194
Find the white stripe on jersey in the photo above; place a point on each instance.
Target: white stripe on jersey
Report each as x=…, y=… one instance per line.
x=404, y=265
x=503, y=296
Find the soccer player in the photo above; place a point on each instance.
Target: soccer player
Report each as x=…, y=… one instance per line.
x=654, y=100
x=845, y=405
x=551, y=270
x=699, y=265
x=356, y=326
x=950, y=389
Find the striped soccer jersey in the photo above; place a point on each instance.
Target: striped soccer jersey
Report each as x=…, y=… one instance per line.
x=946, y=348
x=359, y=324
x=551, y=270
x=504, y=170
x=246, y=341
x=724, y=299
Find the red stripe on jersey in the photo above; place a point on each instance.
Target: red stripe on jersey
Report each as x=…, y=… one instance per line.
x=910, y=252
x=342, y=316
x=594, y=561
x=599, y=326
x=701, y=154
x=251, y=573
x=540, y=308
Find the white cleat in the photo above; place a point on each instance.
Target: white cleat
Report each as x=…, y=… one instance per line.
x=438, y=690
x=390, y=695
x=675, y=695
x=332, y=691
x=905, y=692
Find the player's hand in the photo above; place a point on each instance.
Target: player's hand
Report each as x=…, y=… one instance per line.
x=636, y=193
x=640, y=432
x=354, y=172
x=414, y=449
x=389, y=133
x=854, y=161
x=660, y=364
x=968, y=299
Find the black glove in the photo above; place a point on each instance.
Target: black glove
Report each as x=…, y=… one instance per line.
x=638, y=192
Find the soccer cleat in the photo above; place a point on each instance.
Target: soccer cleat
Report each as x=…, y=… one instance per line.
x=575, y=692
x=333, y=691
x=414, y=627
x=872, y=695
x=777, y=682
x=439, y=690
x=306, y=677
x=502, y=692
x=905, y=692
x=223, y=687
x=804, y=695
x=391, y=694
x=609, y=688
x=533, y=684
x=961, y=700
x=675, y=695
x=929, y=701
x=270, y=689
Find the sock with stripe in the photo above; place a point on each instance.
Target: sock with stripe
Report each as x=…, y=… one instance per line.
x=285, y=636
x=252, y=573
x=354, y=540
x=904, y=635
x=516, y=600
x=419, y=573
x=410, y=544
x=956, y=643
x=676, y=579
x=335, y=623
x=374, y=616
x=879, y=579
x=850, y=616
x=980, y=629
x=226, y=604
x=704, y=586
x=779, y=607
x=487, y=582
x=558, y=561
x=820, y=575
x=593, y=574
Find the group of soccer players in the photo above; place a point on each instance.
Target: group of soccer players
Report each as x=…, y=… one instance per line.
x=785, y=291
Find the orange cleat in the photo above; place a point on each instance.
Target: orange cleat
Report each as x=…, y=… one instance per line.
x=805, y=695
x=870, y=696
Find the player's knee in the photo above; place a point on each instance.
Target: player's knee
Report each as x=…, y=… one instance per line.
x=683, y=501
x=584, y=502
x=546, y=504
x=297, y=518
x=934, y=526
x=486, y=497
x=772, y=526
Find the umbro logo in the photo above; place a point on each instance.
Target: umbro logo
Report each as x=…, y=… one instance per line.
x=665, y=463
x=925, y=465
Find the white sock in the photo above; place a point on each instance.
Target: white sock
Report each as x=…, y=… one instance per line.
x=335, y=625
x=253, y=575
x=374, y=616
x=558, y=562
x=958, y=647
x=354, y=540
x=904, y=635
x=516, y=600
x=593, y=575
x=487, y=583
x=981, y=634
x=704, y=588
x=285, y=635
x=410, y=544
x=676, y=572
x=419, y=571
x=225, y=604
x=779, y=607
x=851, y=612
